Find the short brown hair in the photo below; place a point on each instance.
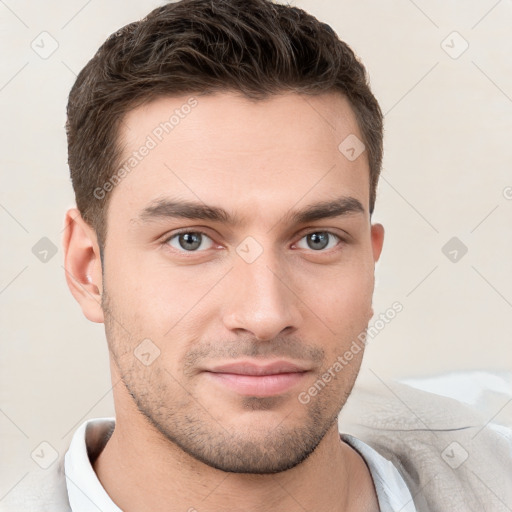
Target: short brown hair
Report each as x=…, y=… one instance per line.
x=253, y=47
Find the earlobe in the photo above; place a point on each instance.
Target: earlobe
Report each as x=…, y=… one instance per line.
x=83, y=265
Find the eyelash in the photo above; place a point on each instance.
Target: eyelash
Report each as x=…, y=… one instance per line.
x=196, y=231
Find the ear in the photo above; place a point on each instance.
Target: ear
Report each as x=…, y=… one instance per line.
x=83, y=265
x=377, y=235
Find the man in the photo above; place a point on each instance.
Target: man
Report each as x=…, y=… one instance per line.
x=225, y=157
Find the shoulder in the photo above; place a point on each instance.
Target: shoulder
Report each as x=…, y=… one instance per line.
x=46, y=490
x=41, y=490
x=450, y=456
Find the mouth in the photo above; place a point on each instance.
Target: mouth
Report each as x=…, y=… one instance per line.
x=258, y=379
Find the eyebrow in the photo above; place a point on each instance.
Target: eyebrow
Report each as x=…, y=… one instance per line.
x=184, y=209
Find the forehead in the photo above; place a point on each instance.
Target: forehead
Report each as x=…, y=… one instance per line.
x=224, y=149
x=222, y=117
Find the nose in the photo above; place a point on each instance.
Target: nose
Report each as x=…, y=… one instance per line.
x=261, y=300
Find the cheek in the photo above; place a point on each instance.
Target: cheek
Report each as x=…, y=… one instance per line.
x=149, y=290
x=163, y=305
x=344, y=298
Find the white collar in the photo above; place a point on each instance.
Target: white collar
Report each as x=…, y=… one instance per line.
x=392, y=491
x=84, y=487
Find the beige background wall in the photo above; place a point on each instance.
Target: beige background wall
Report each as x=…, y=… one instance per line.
x=447, y=173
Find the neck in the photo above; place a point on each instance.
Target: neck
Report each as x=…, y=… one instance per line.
x=141, y=470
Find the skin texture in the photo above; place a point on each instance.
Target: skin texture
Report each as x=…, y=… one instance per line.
x=182, y=436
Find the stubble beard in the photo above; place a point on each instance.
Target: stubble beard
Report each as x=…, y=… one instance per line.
x=185, y=421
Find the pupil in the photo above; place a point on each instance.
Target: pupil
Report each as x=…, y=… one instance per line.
x=190, y=240
x=318, y=240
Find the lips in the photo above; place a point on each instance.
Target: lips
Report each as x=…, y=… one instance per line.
x=247, y=368
x=258, y=379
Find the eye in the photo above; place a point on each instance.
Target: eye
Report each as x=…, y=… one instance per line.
x=190, y=241
x=319, y=240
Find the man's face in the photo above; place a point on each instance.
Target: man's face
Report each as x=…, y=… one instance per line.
x=244, y=309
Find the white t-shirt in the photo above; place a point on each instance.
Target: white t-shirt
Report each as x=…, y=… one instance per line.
x=86, y=492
